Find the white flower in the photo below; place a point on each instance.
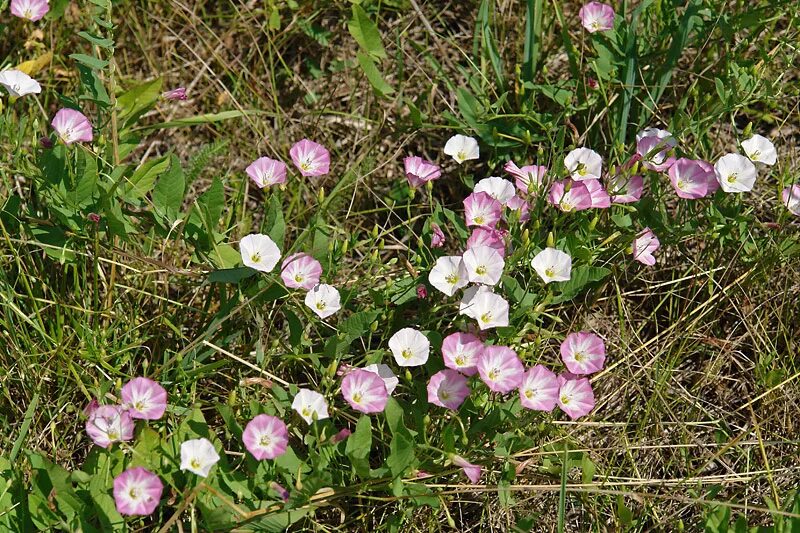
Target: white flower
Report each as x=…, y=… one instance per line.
x=498, y=188
x=735, y=173
x=259, y=252
x=323, y=300
x=308, y=404
x=198, y=456
x=462, y=148
x=584, y=164
x=489, y=309
x=17, y=83
x=449, y=274
x=465, y=306
x=386, y=374
x=410, y=347
x=552, y=265
x=760, y=150
x=484, y=265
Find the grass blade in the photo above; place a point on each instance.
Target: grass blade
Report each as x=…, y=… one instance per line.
x=533, y=39
x=23, y=430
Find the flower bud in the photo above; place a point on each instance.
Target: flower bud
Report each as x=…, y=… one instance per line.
x=747, y=130
x=551, y=241
x=593, y=223
x=321, y=195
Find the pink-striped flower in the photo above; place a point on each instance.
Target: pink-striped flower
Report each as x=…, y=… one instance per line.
x=365, y=391
x=279, y=489
x=32, y=10
x=575, y=395
x=498, y=188
x=625, y=189
x=528, y=179
x=596, y=16
x=791, y=199
x=518, y=203
x=473, y=472
x=137, y=492
x=644, y=245
x=690, y=178
x=109, y=424
x=384, y=372
x=656, y=148
x=480, y=209
x=539, y=389
x=447, y=388
x=583, y=353
x=265, y=172
x=301, y=271
x=144, y=398
x=599, y=196
x=419, y=171
x=178, y=93
x=570, y=195
x=461, y=351
x=437, y=236
x=72, y=126
x=500, y=368
x=487, y=237
x=266, y=437
x=584, y=164
x=484, y=265
x=310, y=158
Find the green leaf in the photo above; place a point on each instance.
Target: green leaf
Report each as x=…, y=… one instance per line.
x=143, y=178
x=102, y=42
x=136, y=101
x=401, y=455
x=274, y=222
x=231, y=275
x=373, y=74
x=169, y=190
x=581, y=276
x=366, y=33
x=208, y=118
x=90, y=61
x=359, y=445
x=86, y=172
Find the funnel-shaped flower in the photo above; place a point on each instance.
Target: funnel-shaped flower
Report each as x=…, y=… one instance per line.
x=137, y=492
x=310, y=158
x=447, y=388
x=365, y=391
x=596, y=16
x=462, y=148
x=539, y=389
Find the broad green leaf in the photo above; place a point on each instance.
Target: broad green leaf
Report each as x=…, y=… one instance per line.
x=169, y=190
x=359, y=445
x=581, y=276
x=401, y=454
x=366, y=33
x=143, y=178
x=90, y=61
x=136, y=101
x=373, y=74
x=274, y=223
x=102, y=42
x=231, y=275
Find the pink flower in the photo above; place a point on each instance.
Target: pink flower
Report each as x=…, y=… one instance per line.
x=437, y=236
x=528, y=179
x=109, y=424
x=570, y=195
x=385, y=373
x=599, y=196
x=690, y=178
x=791, y=199
x=487, y=237
x=625, y=190
x=597, y=17
x=301, y=271
x=473, y=472
x=539, y=389
x=265, y=172
x=500, y=368
x=655, y=148
x=266, y=437
x=420, y=171
x=583, y=352
x=283, y=494
x=644, y=245
x=484, y=265
x=72, y=126
x=461, y=352
x=422, y=291
x=310, y=158
x=447, y=388
x=32, y=10
x=519, y=204
x=137, y=491
x=179, y=93
x=342, y=435
x=575, y=396
x=480, y=209
x=144, y=398
x=365, y=391
x=91, y=407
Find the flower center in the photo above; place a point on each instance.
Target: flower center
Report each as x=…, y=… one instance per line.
x=579, y=357
x=493, y=374
x=444, y=395
x=298, y=278
x=461, y=155
x=732, y=178
x=357, y=397
x=566, y=206
x=580, y=168
x=565, y=399
x=139, y=405
x=265, y=440
x=195, y=463
x=755, y=154
x=306, y=411
x=133, y=493
x=452, y=279
x=321, y=305
x=256, y=257
x=478, y=219
x=680, y=184
x=460, y=361
x=530, y=393
x=486, y=317
x=407, y=354
x=481, y=270
x=112, y=435
x=549, y=272
x=305, y=165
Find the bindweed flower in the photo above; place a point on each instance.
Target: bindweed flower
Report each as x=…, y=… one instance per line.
x=390, y=381
x=465, y=306
x=32, y=10
x=342, y=435
x=144, y=398
x=91, y=407
x=198, y=456
x=461, y=351
x=437, y=236
x=473, y=472
x=484, y=265
x=72, y=126
x=539, y=389
x=735, y=173
x=265, y=172
x=655, y=147
x=690, y=178
x=644, y=245
x=301, y=271
x=365, y=391
x=410, y=347
x=487, y=237
x=592, y=83
x=420, y=171
x=599, y=196
x=625, y=190
x=791, y=199
x=447, y=388
x=529, y=178
x=570, y=195
x=266, y=436
x=324, y=300
x=498, y=188
x=596, y=16
x=583, y=353
x=519, y=204
x=584, y=164
x=279, y=489
x=575, y=396
x=259, y=252
x=310, y=158
x=137, y=492
x=552, y=265
x=500, y=368
x=462, y=148
x=178, y=93
x=760, y=150
x=480, y=209
x=310, y=405
x=109, y=424
x=449, y=274
x=17, y=83
x=488, y=308
x=422, y=291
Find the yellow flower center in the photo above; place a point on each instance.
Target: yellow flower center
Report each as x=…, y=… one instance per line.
x=256, y=257
x=461, y=155
x=481, y=270
x=486, y=317
x=566, y=206
x=732, y=178
x=452, y=279
x=579, y=357
x=321, y=305
x=305, y=165
x=530, y=393
x=407, y=354
x=680, y=184
x=549, y=272
x=460, y=361
x=580, y=169
x=478, y=220
x=564, y=399
x=194, y=463
x=493, y=374
x=133, y=493
x=443, y=394
x=357, y=397
x=306, y=411
x=265, y=440
x=298, y=278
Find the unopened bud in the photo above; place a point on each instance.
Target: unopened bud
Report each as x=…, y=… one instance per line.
x=593, y=223
x=321, y=195
x=551, y=240
x=747, y=129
